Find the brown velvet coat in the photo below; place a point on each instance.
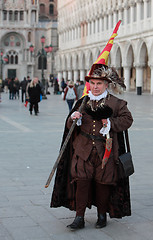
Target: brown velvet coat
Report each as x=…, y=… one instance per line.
x=64, y=188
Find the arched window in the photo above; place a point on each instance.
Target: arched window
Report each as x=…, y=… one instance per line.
x=42, y=8
x=16, y=59
x=40, y=59
x=10, y=15
x=12, y=59
x=29, y=36
x=16, y=16
x=51, y=9
x=21, y=15
x=4, y=15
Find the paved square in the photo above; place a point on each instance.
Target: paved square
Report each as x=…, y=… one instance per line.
x=28, y=149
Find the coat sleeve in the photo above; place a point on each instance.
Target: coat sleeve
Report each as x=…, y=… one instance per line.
x=122, y=120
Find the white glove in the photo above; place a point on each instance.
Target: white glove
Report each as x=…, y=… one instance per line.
x=105, y=130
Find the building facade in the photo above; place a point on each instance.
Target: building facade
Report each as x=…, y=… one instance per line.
x=86, y=25
x=20, y=26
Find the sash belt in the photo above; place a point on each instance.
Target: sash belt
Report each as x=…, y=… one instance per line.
x=93, y=137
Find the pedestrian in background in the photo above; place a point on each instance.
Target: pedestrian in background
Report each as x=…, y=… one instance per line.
x=70, y=94
x=17, y=87
x=34, y=92
x=11, y=86
x=23, y=86
x=63, y=85
x=56, y=86
x=80, y=89
x=6, y=85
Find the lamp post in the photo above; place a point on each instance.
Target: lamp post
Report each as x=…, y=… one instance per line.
x=43, y=54
x=3, y=60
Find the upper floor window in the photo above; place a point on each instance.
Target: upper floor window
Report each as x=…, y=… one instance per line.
x=21, y=15
x=4, y=15
x=142, y=11
x=135, y=13
x=10, y=16
x=16, y=15
x=51, y=0
x=12, y=57
x=148, y=9
x=51, y=9
x=29, y=36
x=42, y=8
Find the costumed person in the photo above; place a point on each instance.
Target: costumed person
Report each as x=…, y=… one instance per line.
x=34, y=92
x=87, y=173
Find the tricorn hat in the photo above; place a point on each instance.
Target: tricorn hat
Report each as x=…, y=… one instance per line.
x=100, y=69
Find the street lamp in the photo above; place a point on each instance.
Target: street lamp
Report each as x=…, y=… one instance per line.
x=42, y=53
x=3, y=60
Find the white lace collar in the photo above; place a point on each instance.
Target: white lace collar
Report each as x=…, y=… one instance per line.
x=99, y=97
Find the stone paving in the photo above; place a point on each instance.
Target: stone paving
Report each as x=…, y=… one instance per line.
x=28, y=149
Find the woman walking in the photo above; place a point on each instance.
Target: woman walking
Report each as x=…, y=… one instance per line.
x=34, y=91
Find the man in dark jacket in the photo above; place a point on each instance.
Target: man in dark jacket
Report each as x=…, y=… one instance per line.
x=23, y=86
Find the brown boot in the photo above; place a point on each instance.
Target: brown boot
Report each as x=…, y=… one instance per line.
x=102, y=221
x=78, y=223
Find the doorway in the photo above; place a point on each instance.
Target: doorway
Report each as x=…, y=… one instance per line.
x=11, y=73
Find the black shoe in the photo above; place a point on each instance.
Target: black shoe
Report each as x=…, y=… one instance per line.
x=78, y=223
x=36, y=113
x=31, y=112
x=102, y=221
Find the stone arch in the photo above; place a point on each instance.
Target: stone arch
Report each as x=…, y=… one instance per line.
x=118, y=60
x=89, y=60
x=96, y=54
x=82, y=60
x=19, y=35
x=142, y=53
x=146, y=72
x=69, y=61
x=130, y=63
x=129, y=56
x=64, y=63
x=142, y=61
x=75, y=61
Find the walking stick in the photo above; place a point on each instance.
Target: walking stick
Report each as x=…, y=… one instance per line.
x=64, y=145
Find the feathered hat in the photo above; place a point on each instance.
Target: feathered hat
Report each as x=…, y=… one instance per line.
x=100, y=69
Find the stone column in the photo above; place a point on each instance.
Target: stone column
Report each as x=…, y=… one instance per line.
x=65, y=76
x=105, y=22
x=138, y=10
x=70, y=75
x=151, y=87
x=82, y=74
x=59, y=76
x=132, y=14
x=127, y=77
x=139, y=79
x=145, y=9
x=100, y=24
x=110, y=20
x=125, y=15
x=114, y=18
x=76, y=75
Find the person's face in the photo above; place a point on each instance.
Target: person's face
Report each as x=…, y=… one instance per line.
x=97, y=87
x=35, y=80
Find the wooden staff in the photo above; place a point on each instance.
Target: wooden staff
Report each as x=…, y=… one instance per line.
x=64, y=145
